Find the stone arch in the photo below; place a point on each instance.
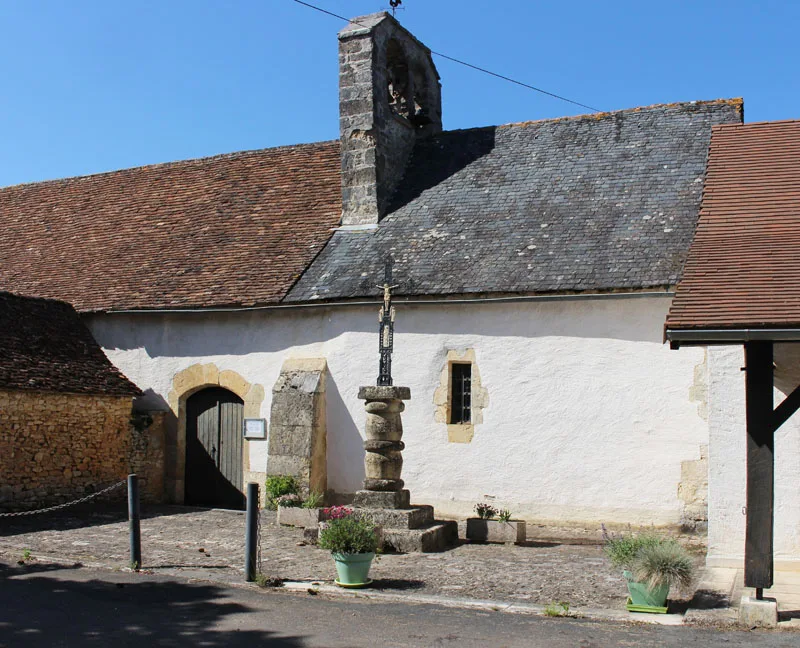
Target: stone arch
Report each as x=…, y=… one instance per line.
x=190, y=381
x=398, y=79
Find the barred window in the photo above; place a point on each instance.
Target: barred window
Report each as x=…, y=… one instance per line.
x=461, y=392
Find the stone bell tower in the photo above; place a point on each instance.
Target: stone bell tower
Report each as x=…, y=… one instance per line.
x=389, y=96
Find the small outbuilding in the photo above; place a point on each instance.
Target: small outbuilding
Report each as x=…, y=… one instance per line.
x=740, y=298
x=65, y=410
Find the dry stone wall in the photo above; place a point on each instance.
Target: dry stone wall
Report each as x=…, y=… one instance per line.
x=55, y=447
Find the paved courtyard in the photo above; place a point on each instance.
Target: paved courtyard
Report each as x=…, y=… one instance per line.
x=209, y=544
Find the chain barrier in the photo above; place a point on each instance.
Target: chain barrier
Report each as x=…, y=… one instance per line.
x=258, y=540
x=67, y=504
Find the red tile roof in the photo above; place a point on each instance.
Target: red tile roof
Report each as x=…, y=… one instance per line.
x=743, y=269
x=44, y=346
x=233, y=229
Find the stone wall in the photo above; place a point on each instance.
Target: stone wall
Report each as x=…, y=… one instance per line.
x=298, y=433
x=146, y=453
x=57, y=447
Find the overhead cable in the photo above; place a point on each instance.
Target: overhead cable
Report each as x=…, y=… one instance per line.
x=460, y=62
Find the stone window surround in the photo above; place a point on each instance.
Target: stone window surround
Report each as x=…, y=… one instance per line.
x=459, y=432
x=190, y=381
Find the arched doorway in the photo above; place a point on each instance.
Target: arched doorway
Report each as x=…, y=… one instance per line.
x=214, y=447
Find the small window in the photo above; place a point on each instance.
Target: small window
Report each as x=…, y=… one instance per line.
x=461, y=392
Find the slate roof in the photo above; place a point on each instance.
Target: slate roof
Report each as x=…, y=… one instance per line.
x=743, y=269
x=227, y=230
x=594, y=203
x=44, y=346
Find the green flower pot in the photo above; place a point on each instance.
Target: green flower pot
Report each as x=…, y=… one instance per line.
x=642, y=597
x=353, y=569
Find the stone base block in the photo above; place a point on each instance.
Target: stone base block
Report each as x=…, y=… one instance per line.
x=761, y=613
x=409, y=518
x=510, y=532
x=382, y=499
x=435, y=536
x=299, y=517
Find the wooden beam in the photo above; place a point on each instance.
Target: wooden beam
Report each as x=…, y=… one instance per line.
x=788, y=407
x=758, y=558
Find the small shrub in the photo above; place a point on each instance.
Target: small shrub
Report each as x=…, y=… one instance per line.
x=561, y=608
x=278, y=485
x=663, y=564
x=351, y=534
x=622, y=550
x=504, y=515
x=485, y=511
x=289, y=501
x=262, y=580
x=652, y=559
x=314, y=500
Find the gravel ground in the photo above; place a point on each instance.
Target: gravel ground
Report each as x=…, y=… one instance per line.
x=209, y=544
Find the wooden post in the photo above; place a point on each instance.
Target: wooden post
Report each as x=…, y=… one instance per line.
x=758, y=548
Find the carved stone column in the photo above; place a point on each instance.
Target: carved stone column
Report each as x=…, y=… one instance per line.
x=383, y=462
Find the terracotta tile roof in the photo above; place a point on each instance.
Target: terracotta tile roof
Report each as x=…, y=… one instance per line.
x=743, y=268
x=44, y=346
x=227, y=230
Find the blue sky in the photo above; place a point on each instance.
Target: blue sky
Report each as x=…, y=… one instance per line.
x=94, y=86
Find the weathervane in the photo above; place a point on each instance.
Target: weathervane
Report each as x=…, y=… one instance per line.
x=394, y=4
x=386, y=319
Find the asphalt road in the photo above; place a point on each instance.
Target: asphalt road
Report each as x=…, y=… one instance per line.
x=54, y=606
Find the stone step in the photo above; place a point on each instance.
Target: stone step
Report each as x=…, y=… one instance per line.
x=434, y=536
x=407, y=518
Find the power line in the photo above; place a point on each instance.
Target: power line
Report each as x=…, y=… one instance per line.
x=460, y=62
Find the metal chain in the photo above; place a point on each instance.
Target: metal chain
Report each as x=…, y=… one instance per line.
x=258, y=540
x=62, y=506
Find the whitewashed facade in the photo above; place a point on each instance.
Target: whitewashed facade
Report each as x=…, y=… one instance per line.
x=590, y=417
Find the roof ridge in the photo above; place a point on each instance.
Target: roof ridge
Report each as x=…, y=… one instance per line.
x=737, y=101
x=156, y=165
x=779, y=122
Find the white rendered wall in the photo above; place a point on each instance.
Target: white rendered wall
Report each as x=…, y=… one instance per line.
x=589, y=415
x=727, y=467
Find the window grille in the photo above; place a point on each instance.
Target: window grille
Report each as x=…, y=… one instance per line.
x=461, y=400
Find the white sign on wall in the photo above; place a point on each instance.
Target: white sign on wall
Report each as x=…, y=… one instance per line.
x=255, y=428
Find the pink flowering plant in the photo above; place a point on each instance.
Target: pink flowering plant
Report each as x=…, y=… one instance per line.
x=337, y=512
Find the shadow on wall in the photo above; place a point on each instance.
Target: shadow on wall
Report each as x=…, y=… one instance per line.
x=55, y=605
x=787, y=367
x=345, y=444
x=275, y=331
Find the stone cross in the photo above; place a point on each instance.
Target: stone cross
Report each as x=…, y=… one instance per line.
x=386, y=330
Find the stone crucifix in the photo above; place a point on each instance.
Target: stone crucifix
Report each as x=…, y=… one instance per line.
x=383, y=461
x=386, y=319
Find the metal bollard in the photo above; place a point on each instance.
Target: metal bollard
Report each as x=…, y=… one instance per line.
x=133, y=522
x=251, y=533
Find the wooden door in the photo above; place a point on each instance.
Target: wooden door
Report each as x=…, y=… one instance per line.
x=214, y=447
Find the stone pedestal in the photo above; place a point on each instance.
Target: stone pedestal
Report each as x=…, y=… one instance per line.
x=762, y=613
x=383, y=499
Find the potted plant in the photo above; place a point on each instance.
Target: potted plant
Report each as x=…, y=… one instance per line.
x=293, y=510
x=353, y=541
x=494, y=525
x=651, y=564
